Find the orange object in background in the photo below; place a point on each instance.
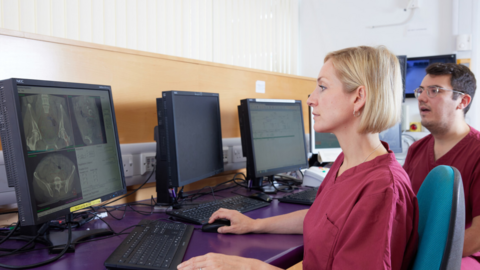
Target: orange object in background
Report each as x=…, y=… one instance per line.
x=415, y=127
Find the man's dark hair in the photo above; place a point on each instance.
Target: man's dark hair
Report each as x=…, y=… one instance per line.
x=462, y=79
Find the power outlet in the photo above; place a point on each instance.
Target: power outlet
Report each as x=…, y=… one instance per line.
x=237, y=154
x=147, y=162
x=127, y=165
x=225, y=154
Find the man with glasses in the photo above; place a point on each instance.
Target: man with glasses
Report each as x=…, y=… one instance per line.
x=444, y=98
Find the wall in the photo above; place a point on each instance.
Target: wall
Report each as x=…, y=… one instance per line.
x=137, y=79
x=332, y=25
x=250, y=33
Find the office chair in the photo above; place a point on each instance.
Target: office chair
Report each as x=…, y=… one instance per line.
x=441, y=226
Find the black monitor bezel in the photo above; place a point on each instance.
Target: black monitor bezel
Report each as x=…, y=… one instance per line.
x=174, y=95
x=432, y=57
x=251, y=151
x=55, y=84
x=403, y=70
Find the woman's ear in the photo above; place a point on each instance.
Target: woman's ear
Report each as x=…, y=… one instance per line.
x=360, y=98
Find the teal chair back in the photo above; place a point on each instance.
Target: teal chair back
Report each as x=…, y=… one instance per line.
x=441, y=225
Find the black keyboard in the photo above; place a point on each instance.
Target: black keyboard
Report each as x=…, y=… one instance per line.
x=202, y=212
x=154, y=245
x=303, y=197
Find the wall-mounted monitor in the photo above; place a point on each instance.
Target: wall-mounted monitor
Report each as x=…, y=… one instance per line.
x=402, y=60
x=416, y=70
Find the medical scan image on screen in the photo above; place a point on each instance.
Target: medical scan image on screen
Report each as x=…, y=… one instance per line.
x=89, y=129
x=46, y=122
x=76, y=129
x=55, y=179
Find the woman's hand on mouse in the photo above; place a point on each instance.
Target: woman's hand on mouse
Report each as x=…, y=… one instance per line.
x=217, y=261
x=239, y=223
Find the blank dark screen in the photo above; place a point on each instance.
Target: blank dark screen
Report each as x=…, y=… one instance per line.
x=198, y=136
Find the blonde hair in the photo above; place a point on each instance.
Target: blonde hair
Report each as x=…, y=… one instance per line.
x=378, y=70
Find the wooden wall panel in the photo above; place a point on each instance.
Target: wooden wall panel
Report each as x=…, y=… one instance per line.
x=138, y=78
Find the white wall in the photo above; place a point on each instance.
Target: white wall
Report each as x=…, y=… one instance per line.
x=332, y=25
x=259, y=34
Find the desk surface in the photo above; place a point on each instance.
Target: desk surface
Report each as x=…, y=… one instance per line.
x=279, y=250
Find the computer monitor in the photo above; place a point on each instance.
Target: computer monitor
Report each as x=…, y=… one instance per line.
x=402, y=60
x=189, y=140
x=416, y=70
x=273, y=137
x=324, y=144
x=328, y=148
x=60, y=146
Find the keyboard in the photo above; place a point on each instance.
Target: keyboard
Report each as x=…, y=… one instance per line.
x=303, y=197
x=153, y=245
x=202, y=212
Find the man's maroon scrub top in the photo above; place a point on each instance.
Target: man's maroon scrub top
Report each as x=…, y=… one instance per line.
x=465, y=156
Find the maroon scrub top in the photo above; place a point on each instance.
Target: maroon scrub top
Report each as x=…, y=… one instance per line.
x=367, y=218
x=465, y=156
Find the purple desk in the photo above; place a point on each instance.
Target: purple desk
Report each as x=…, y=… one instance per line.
x=279, y=250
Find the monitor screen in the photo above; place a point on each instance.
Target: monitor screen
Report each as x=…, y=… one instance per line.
x=277, y=136
x=70, y=147
x=328, y=147
x=190, y=133
x=402, y=60
x=416, y=70
x=199, y=137
x=393, y=136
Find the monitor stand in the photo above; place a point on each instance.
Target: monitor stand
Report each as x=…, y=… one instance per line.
x=58, y=239
x=258, y=185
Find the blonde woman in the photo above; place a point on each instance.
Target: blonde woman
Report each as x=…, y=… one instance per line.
x=365, y=215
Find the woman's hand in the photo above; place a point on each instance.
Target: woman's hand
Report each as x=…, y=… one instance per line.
x=215, y=261
x=239, y=223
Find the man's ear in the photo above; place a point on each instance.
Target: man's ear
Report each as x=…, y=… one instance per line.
x=464, y=101
x=360, y=98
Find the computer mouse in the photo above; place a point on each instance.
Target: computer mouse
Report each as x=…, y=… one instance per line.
x=261, y=196
x=213, y=227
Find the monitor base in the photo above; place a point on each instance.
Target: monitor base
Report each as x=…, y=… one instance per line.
x=58, y=239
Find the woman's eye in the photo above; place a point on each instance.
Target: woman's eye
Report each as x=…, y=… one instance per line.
x=322, y=88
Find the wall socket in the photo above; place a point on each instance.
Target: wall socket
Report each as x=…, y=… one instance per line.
x=237, y=154
x=225, y=154
x=127, y=165
x=147, y=162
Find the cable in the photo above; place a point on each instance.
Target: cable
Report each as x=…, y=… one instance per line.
x=394, y=24
x=409, y=136
x=148, y=179
x=10, y=233
x=303, y=176
x=95, y=213
x=69, y=241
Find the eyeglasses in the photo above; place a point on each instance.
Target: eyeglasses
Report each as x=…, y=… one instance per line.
x=432, y=91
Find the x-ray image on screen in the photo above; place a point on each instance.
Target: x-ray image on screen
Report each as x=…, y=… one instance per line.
x=46, y=122
x=89, y=126
x=55, y=179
